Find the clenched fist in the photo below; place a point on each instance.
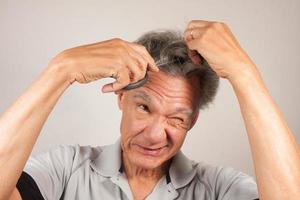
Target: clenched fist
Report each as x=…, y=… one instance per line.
x=217, y=45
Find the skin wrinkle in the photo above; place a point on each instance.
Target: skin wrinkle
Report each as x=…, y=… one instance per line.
x=167, y=92
x=152, y=135
x=167, y=97
x=143, y=96
x=147, y=98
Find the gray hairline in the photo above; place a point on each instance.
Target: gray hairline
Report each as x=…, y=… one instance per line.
x=162, y=45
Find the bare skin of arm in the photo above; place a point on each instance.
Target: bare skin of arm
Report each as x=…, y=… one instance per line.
x=21, y=123
x=275, y=153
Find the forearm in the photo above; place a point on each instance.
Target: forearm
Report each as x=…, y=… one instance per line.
x=275, y=152
x=22, y=122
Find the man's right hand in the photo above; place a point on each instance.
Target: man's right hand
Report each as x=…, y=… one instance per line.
x=126, y=62
x=21, y=123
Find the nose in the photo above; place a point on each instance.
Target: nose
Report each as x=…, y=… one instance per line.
x=156, y=131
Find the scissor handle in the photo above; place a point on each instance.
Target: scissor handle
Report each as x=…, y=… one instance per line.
x=137, y=84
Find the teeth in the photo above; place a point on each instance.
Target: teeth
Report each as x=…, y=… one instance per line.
x=153, y=149
x=150, y=149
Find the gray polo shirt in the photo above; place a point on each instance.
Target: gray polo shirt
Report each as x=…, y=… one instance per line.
x=84, y=172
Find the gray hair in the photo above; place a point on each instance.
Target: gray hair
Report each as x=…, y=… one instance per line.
x=169, y=51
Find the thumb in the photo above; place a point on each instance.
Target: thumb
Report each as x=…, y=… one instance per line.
x=121, y=81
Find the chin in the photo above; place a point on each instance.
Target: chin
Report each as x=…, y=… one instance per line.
x=146, y=161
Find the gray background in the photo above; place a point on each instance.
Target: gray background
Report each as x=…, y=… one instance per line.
x=32, y=32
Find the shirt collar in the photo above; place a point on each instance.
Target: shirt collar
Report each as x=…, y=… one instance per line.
x=109, y=161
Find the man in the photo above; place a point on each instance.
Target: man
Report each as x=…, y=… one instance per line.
x=146, y=163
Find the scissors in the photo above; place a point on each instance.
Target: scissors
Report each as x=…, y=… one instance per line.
x=142, y=82
x=137, y=84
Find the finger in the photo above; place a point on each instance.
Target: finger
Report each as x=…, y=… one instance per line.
x=193, y=33
x=193, y=45
x=142, y=63
x=118, y=91
x=195, y=56
x=150, y=61
x=198, y=24
x=135, y=70
x=142, y=58
x=122, y=79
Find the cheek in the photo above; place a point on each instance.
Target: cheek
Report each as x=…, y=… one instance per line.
x=131, y=124
x=176, y=137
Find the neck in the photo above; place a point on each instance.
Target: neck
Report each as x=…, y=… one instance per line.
x=138, y=173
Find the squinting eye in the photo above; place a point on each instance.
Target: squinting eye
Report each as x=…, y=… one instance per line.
x=175, y=121
x=178, y=120
x=178, y=123
x=143, y=107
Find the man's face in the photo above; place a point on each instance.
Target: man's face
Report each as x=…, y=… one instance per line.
x=156, y=118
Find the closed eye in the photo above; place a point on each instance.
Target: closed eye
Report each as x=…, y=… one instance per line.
x=176, y=121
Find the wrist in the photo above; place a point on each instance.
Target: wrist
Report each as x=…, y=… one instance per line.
x=247, y=74
x=60, y=69
x=57, y=74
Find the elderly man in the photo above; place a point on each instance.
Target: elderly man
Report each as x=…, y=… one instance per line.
x=146, y=162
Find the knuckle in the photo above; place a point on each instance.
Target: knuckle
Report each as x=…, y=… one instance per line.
x=142, y=48
x=223, y=24
x=134, y=44
x=192, y=22
x=215, y=24
x=218, y=25
x=117, y=40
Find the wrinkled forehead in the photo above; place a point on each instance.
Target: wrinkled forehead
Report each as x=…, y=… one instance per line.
x=169, y=89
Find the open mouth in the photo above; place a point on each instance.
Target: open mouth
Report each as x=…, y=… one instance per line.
x=150, y=151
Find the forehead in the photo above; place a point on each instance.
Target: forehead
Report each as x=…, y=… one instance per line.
x=168, y=90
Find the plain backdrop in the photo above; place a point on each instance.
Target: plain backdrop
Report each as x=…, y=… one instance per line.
x=32, y=32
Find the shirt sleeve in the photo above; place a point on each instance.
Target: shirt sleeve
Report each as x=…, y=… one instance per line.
x=28, y=188
x=51, y=170
x=235, y=185
x=226, y=183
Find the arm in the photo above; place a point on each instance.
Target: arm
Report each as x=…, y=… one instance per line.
x=274, y=150
x=21, y=123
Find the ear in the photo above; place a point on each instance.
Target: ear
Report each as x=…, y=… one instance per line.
x=195, y=118
x=120, y=100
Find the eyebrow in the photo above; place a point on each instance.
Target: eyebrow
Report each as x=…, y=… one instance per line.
x=143, y=96
x=147, y=98
x=186, y=111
